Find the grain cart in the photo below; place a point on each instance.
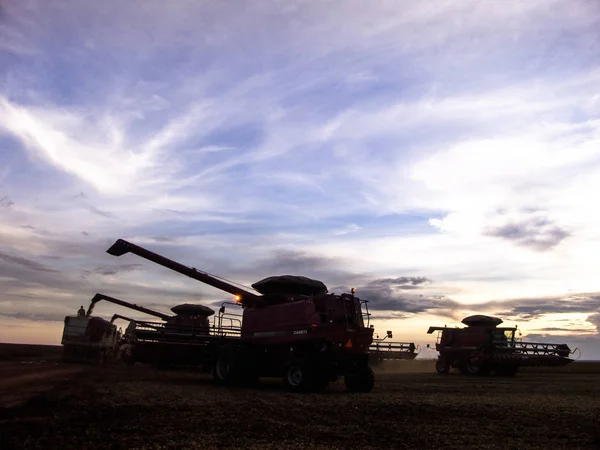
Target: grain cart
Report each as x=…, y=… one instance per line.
x=482, y=347
x=289, y=327
x=89, y=339
x=382, y=350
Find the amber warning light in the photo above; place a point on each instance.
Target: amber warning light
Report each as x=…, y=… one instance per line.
x=238, y=298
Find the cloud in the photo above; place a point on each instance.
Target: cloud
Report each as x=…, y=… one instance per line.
x=595, y=320
x=386, y=299
x=294, y=261
x=25, y=262
x=113, y=269
x=5, y=202
x=401, y=282
x=531, y=308
x=538, y=234
x=567, y=330
x=389, y=295
x=36, y=230
x=36, y=317
x=163, y=239
x=99, y=212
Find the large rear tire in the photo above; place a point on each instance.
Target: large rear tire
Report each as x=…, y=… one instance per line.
x=362, y=381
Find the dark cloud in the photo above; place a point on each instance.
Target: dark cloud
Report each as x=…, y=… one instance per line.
x=536, y=233
x=99, y=211
x=532, y=308
x=157, y=296
x=404, y=283
x=294, y=262
x=397, y=304
x=113, y=269
x=594, y=319
x=25, y=262
x=174, y=211
x=569, y=330
x=43, y=317
x=164, y=239
x=386, y=315
x=5, y=202
x=389, y=294
x=415, y=281
x=82, y=200
x=37, y=230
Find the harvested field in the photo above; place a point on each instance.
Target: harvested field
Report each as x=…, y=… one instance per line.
x=27, y=352
x=140, y=407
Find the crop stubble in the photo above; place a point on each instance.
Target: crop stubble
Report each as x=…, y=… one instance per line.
x=139, y=407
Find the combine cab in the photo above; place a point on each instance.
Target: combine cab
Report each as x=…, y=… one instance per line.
x=288, y=327
x=482, y=347
x=89, y=339
x=382, y=350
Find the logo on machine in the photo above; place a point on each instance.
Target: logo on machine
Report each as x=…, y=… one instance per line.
x=301, y=332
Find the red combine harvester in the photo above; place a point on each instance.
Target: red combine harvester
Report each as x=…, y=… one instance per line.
x=382, y=350
x=290, y=328
x=482, y=348
x=143, y=341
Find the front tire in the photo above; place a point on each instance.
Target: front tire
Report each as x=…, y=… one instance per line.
x=475, y=368
x=299, y=377
x=442, y=366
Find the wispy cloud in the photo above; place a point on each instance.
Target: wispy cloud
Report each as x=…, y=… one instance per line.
x=113, y=269
x=24, y=262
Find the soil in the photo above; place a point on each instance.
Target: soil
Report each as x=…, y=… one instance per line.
x=20, y=381
x=81, y=406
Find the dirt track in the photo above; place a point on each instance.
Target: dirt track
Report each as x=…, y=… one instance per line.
x=19, y=381
x=145, y=408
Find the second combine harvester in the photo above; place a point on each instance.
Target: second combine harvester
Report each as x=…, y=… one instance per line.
x=291, y=328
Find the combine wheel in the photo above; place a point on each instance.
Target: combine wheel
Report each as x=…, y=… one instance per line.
x=362, y=381
x=442, y=366
x=475, y=367
x=299, y=377
x=225, y=370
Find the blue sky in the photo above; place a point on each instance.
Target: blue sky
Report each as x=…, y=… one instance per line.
x=349, y=141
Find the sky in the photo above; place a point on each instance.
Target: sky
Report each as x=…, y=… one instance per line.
x=441, y=157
